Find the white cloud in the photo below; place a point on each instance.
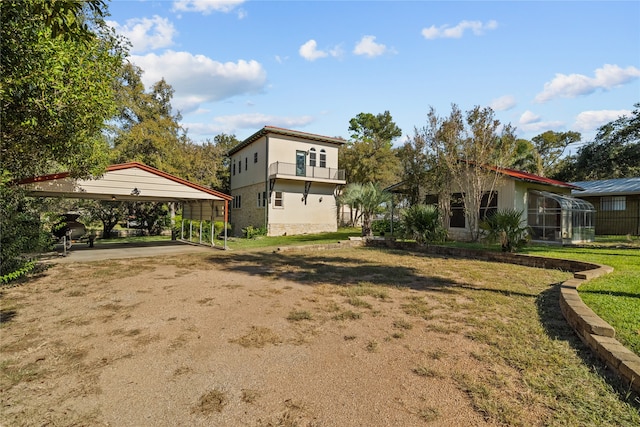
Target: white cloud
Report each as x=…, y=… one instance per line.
x=591, y=120
x=146, y=33
x=444, y=31
x=207, y=6
x=197, y=79
x=530, y=122
x=231, y=124
x=528, y=117
x=367, y=46
x=573, y=85
x=310, y=52
x=503, y=103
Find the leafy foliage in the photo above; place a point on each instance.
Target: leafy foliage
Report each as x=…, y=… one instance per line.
x=370, y=156
x=58, y=86
x=422, y=223
x=507, y=227
x=109, y=213
x=367, y=198
x=251, y=232
x=614, y=153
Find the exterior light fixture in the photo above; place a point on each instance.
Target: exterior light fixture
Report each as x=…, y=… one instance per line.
x=135, y=192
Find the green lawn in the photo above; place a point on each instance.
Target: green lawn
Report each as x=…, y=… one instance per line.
x=614, y=297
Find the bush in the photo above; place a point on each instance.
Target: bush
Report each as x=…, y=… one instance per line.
x=251, y=232
x=507, y=227
x=422, y=223
x=381, y=226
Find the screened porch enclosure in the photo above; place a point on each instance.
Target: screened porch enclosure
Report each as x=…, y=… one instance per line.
x=558, y=218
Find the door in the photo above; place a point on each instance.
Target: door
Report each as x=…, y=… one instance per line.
x=301, y=162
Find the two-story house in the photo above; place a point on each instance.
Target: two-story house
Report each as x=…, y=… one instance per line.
x=286, y=181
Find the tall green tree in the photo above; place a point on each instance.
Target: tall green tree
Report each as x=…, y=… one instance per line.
x=550, y=147
x=147, y=129
x=416, y=164
x=526, y=157
x=59, y=62
x=58, y=66
x=470, y=146
x=369, y=156
x=614, y=153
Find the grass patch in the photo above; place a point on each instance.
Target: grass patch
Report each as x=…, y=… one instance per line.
x=258, y=337
x=298, y=315
x=402, y=324
x=210, y=402
x=429, y=414
x=347, y=315
x=425, y=371
x=614, y=297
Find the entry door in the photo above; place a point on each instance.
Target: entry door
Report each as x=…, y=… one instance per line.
x=301, y=162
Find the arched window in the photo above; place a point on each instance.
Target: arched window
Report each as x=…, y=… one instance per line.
x=312, y=157
x=323, y=158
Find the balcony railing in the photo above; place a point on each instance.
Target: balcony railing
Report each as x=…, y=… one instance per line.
x=314, y=172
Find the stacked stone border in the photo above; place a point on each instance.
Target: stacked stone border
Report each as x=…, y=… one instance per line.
x=597, y=334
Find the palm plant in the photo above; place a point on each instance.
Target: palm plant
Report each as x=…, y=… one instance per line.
x=367, y=198
x=422, y=223
x=506, y=226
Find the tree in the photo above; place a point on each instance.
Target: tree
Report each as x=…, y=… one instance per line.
x=58, y=64
x=370, y=156
x=416, y=163
x=367, y=198
x=471, y=149
x=107, y=212
x=550, y=146
x=526, y=157
x=614, y=153
x=147, y=130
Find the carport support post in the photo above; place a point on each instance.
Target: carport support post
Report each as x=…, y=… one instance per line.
x=182, y=230
x=190, y=230
x=200, y=231
x=226, y=219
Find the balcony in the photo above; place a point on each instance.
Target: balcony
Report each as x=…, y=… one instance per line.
x=306, y=173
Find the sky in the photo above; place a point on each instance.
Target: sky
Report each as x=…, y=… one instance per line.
x=312, y=66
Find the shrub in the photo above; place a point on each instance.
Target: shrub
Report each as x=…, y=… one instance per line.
x=251, y=232
x=507, y=227
x=421, y=222
x=381, y=226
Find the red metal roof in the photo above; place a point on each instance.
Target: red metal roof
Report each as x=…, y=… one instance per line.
x=529, y=177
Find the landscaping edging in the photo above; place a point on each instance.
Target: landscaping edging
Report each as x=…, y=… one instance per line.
x=597, y=334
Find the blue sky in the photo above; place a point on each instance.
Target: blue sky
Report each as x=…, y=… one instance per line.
x=237, y=65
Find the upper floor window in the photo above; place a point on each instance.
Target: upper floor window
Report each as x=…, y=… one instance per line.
x=234, y=168
x=312, y=157
x=613, y=203
x=240, y=166
x=246, y=163
x=255, y=157
x=323, y=158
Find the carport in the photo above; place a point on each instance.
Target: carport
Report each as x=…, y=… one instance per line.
x=141, y=183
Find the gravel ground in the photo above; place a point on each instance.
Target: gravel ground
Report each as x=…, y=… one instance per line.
x=180, y=340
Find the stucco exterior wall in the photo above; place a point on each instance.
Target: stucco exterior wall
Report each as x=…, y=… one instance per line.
x=296, y=217
x=252, y=172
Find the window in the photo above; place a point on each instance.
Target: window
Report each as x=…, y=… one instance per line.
x=255, y=157
x=301, y=159
x=234, y=168
x=312, y=157
x=613, y=203
x=323, y=158
x=246, y=163
x=237, y=202
x=262, y=199
x=277, y=201
x=488, y=207
x=240, y=166
x=457, y=219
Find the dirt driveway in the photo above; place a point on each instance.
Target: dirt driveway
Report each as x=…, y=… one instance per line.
x=251, y=339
